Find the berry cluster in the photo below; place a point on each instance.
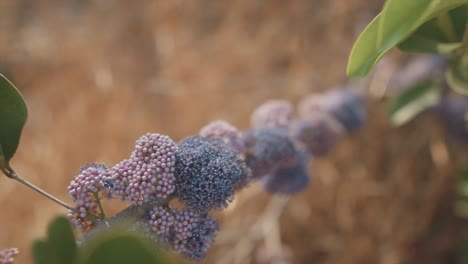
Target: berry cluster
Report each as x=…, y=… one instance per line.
x=204, y=171
x=7, y=255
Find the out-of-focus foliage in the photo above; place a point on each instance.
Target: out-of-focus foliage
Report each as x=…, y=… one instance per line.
x=13, y=115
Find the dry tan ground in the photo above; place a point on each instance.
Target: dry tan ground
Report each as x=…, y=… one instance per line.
x=98, y=74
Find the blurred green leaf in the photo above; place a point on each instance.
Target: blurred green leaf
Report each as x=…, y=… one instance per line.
x=413, y=101
x=397, y=21
x=59, y=246
x=420, y=44
x=459, y=18
x=13, y=115
x=456, y=80
x=124, y=248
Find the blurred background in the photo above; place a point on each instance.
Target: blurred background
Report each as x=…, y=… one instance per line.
x=97, y=75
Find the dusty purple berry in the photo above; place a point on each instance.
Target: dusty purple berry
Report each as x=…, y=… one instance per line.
x=273, y=114
x=268, y=148
x=148, y=174
x=192, y=234
x=7, y=255
x=225, y=131
x=207, y=173
x=318, y=133
x=85, y=190
x=288, y=179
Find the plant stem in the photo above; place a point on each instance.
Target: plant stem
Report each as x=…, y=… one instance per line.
x=10, y=173
x=98, y=201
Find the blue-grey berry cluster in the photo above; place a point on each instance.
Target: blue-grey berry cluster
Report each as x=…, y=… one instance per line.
x=288, y=179
x=207, y=173
x=7, y=255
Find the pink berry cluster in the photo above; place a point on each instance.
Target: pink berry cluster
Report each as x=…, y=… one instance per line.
x=148, y=173
x=7, y=255
x=85, y=191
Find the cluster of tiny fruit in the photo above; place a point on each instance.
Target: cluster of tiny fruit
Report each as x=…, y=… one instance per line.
x=204, y=171
x=7, y=255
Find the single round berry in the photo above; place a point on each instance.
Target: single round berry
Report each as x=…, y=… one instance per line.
x=273, y=113
x=207, y=173
x=193, y=234
x=268, y=148
x=318, y=133
x=7, y=255
x=288, y=180
x=225, y=131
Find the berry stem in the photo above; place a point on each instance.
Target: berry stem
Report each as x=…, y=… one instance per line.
x=98, y=201
x=10, y=173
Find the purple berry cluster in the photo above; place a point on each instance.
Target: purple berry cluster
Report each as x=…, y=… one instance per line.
x=7, y=255
x=148, y=173
x=204, y=171
x=86, y=191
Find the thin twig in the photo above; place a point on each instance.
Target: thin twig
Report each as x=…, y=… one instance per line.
x=10, y=173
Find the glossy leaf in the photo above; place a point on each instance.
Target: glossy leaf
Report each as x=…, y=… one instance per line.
x=397, y=21
x=59, y=246
x=413, y=101
x=13, y=115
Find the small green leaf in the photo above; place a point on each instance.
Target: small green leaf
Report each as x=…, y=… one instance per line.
x=59, y=246
x=13, y=115
x=124, y=248
x=62, y=240
x=420, y=44
x=413, y=101
x=40, y=252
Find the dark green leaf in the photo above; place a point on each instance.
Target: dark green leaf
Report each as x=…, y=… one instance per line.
x=413, y=101
x=459, y=17
x=13, y=115
x=40, y=252
x=124, y=248
x=59, y=247
x=397, y=21
x=420, y=44
x=62, y=240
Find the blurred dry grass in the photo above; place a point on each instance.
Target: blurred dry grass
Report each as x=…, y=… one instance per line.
x=98, y=74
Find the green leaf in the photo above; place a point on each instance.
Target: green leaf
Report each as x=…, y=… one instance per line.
x=397, y=21
x=123, y=248
x=59, y=246
x=62, y=240
x=13, y=115
x=459, y=18
x=413, y=101
x=420, y=44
